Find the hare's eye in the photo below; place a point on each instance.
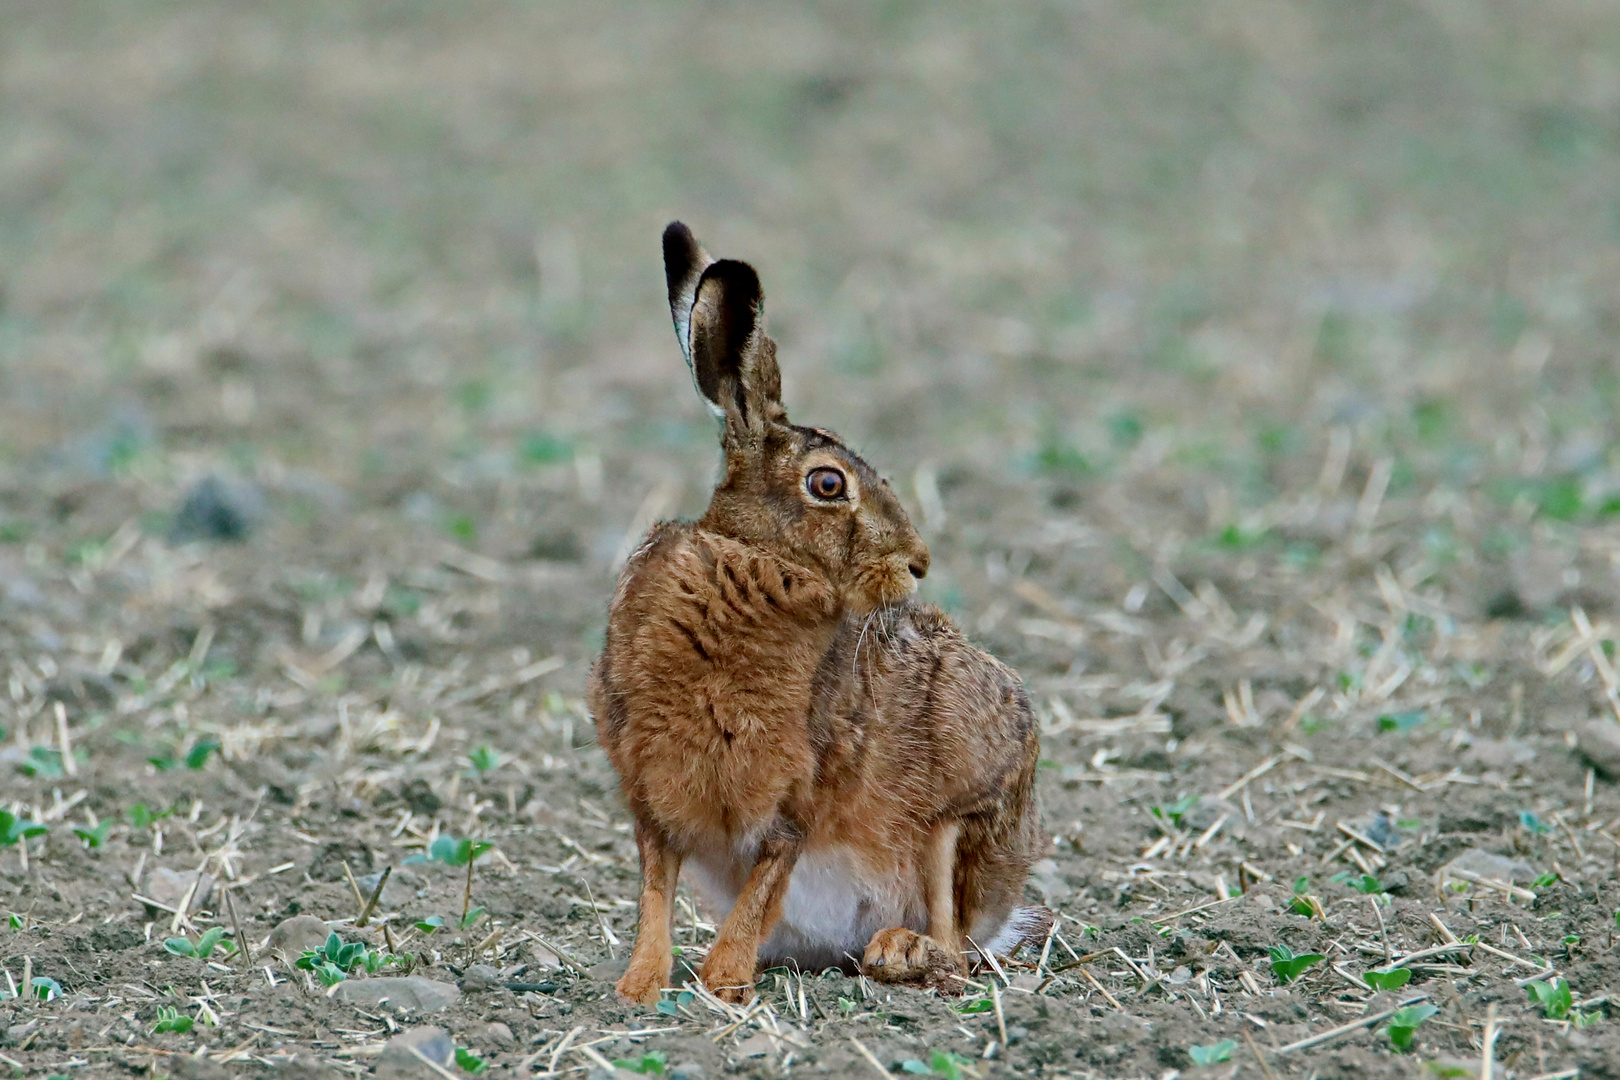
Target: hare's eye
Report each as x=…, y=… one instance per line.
x=825, y=483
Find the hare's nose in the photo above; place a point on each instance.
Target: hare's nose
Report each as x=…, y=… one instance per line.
x=919, y=565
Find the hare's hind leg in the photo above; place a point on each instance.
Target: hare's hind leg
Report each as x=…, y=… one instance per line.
x=650, y=961
x=898, y=954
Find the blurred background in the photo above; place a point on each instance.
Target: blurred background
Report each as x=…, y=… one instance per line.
x=1108, y=288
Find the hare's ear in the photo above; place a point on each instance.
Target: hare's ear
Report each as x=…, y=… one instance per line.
x=684, y=263
x=732, y=358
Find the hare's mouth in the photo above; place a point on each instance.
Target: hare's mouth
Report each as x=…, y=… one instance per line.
x=891, y=581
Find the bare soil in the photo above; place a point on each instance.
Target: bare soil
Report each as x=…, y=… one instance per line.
x=1249, y=373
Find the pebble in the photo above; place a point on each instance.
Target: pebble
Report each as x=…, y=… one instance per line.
x=170, y=886
x=1489, y=865
x=295, y=936
x=413, y=992
x=398, y=1059
x=481, y=977
x=1599, y=742
x=499, y=1035
x=215, y=510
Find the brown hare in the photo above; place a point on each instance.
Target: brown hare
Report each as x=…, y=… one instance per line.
x=838, y=770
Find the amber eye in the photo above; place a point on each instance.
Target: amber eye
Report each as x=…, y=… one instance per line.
x=825, y=483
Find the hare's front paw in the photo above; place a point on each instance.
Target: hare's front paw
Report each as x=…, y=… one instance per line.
x=728, y=972
x=640, y=985
x=899, y=955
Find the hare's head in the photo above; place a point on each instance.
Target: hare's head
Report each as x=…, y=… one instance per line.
x=795, y=490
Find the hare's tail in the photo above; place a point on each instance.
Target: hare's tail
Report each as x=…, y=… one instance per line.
x=1024, y=926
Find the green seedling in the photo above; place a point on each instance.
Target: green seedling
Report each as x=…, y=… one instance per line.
x=14, y=829
x=1174, y=812
x=197, y=756
x=93, y=835
x=430, y=924
x=471, y=917
x=977, y=1005
x=1212, y=1055
x=672, y=1008
x=16, y=921
x=846, y=1006
x=1288, y=967
x=1445, y=1071
x=203, y=948
x=1400, y=722
x=143, y=817
x=649, y=1064
x=333, y=961
x=45, y=989
x=42, y=761
x=1554, y=997
x=484, y=760
x=1367, y=884
x=169, y=1019
x=470, y=1062
x=1388, y=978
x=1302, y=903
x=1545, y=881
x=941, y=1063
x=1404, y=1024
x=453, y=852
x=1533, y=822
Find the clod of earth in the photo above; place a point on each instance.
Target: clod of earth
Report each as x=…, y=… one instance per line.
x=295, y=936
x=399, y=1058
x=1599, y=743
x=413, y=993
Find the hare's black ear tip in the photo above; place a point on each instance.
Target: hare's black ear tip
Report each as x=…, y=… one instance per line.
x=682, y=253
x=742, y=286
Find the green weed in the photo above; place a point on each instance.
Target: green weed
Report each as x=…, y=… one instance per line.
x=1287, y=966
x=1212, y=1055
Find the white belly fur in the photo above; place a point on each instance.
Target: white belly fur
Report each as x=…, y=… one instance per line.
x=834, y=904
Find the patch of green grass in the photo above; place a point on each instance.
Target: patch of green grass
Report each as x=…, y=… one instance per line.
x=1213, y=1054
x=170, y=1019
x=1554, y=998
x=14, y=829
x=1287, y=966
x=1401, y=721
x=470, y=1062
x=649, y=1064
x=1404, y=1024
x=204, y=946
x=941, y=1063
x=484, y=760
x=1387, y=978
x=1174, y=812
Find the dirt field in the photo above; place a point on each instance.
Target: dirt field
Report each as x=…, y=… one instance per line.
x=1250, y=373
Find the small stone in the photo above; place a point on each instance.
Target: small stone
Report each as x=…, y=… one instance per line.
x=687, y=1070
x=1599, y=742
x=294, y=937
x=1501, y=753
x=499, y=1035
x=169, y=887
x=399, y=1057
x=481, y=977
x=610, y=970
x=215, y=510
x=411, y=992
x=1490, y=866
x=755, y=1046
x=16, y=1033
x=1016, y=1033
x=418, y=795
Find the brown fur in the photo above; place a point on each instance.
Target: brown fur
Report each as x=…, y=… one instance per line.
x=769, y=688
